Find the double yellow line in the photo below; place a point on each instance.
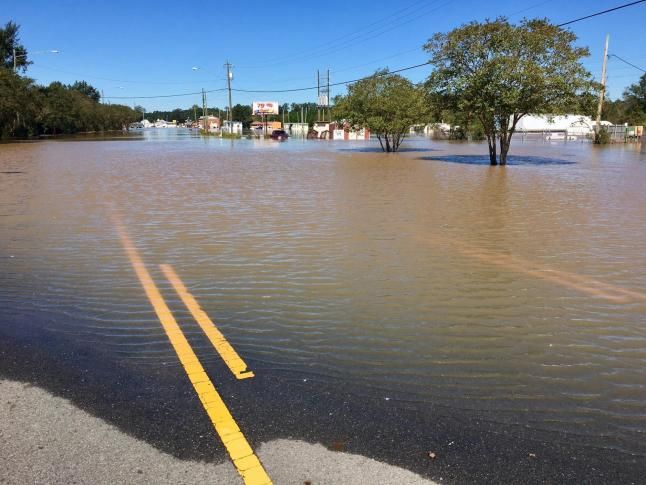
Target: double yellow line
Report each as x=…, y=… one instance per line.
x=242, y=455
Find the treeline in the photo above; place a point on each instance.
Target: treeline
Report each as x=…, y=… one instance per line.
x=27, y=109
x=293, y=113
x=631, y=108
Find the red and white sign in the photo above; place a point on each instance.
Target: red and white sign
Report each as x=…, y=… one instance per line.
x=265, y=108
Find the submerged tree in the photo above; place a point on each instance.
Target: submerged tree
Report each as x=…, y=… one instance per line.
x=386, y=103
x=501, y=72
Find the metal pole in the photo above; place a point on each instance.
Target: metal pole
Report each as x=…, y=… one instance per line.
x=603, y=85
x=15, y=65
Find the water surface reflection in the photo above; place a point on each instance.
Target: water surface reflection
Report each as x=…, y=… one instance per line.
x=517, y=292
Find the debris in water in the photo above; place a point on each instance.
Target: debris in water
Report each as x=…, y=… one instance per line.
x=432, y=455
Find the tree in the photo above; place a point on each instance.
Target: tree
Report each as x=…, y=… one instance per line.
x=500, y=72
x=10, y=40
x=386, y=103
x=87, y=90
x=635, y=100
x=20, y=103
x=242, y=112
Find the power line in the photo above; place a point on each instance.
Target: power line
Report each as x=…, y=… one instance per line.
x=125, y=81
x=535, y=5
x=165, y=95
x=354, y=37
x=601, y=13
x=626, y=62
x=331, y=84
x=361, y=78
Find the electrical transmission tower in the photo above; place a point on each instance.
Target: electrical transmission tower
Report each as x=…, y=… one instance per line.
x=323, y=97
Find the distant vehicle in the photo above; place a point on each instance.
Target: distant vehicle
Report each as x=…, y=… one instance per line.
x=280, y=135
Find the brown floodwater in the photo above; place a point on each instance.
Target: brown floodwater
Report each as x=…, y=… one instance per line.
x=424, y=276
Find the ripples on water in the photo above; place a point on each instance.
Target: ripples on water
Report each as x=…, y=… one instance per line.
x=421, y=276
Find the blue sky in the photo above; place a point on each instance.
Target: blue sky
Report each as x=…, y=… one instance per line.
x=149, y=48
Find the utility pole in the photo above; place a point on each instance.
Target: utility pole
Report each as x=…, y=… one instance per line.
x=203, y=110
x=15, y=65
x=229, y=77
x=318, y=96
x=327, y=96
x=603, y=86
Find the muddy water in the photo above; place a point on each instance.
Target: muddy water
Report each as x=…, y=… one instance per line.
x=424, y=277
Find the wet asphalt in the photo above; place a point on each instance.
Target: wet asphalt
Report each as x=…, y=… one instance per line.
x=158, y=404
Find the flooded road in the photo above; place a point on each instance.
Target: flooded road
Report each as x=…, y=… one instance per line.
x=425, y=285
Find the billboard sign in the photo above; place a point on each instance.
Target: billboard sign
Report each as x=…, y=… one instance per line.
x=265, y=108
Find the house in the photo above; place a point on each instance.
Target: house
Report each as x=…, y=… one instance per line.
x=348, y=133
x=323, y=129
x=210, y=123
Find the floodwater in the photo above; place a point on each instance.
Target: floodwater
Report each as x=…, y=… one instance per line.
x=424, y=277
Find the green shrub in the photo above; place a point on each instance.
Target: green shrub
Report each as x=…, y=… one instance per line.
x=602, y=137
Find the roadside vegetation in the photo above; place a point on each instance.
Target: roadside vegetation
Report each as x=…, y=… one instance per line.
x=28, y=109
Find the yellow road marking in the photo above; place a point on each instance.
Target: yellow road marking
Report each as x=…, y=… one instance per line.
x=577, y=282
x=226, y=351
x=243, y=457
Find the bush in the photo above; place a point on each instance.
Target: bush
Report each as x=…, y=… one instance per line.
x=602, y=137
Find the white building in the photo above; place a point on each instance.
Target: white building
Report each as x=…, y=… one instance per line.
x=432, y=128
x=571, y=125
x=297, y=129
x=232, y=127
